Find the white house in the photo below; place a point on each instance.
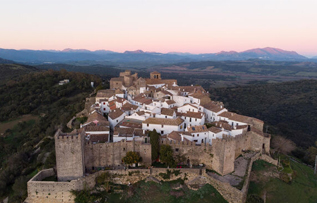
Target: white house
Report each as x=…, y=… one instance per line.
x=123, y=134
x=192, y=118
x=166, y=113
x=187, y=108
x=115, y=117
x=163, y=125
x=212, y=111
x=200, y=134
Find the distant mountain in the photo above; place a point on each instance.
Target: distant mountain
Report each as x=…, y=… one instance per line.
x=269, y=53
x=134, y=52
x=139, y=56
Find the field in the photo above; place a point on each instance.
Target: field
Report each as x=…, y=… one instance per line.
x=10, y=124
x=265, y=183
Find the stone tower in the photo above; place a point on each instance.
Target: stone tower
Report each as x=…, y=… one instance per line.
x=69, y=148
x=155, y=75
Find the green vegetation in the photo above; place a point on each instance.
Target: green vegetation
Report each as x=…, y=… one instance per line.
x=267, y=183
x=155, y=144
x=168, y=174
x=28, y=146
x=166, y=155
x=288, y=108
x=131, y=158
x=146, y=192
x=12, y=71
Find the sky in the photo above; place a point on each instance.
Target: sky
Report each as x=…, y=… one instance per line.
x=194, y=26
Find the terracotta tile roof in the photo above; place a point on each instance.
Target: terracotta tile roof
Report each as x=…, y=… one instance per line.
x=169, y=102
x=142, y=99
x=115, y=113
x=99, y=138
x=222, y=124
x=241, y=126
x=120, y=100
x=154, y=81
x=215, y=129
x=238, y=117
x=166, y=111
x=166, y=92
x=197, y=128
x=95, y=117
x=190, y=89
x=132, y=123
x=213, y=107
x=174, y=136
x=155, y=72
x=191, y=114
x=164, y=121
x=125, y=132
x=113, y=106
x=138, y=132
x=129, y=107
x=96, y=128
x=140, y=113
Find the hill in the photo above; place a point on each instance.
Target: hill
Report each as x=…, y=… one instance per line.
x=28, y=146
x=289, y=108
x=11, y=70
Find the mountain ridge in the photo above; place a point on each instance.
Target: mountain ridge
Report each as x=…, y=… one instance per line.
x=68, y=54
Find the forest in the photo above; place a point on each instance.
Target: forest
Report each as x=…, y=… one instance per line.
x=288, y=109
x=29, y=146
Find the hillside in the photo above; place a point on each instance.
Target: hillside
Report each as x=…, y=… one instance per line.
x=289, y=108
x=11, y=70
x=28, y=146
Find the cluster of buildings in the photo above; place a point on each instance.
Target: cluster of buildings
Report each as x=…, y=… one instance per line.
x=136, y=105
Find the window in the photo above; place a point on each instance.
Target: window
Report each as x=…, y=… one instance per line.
x=104, y=109
x=197, y=135
x=190, y=119
x=147, y=125
x=165, y=116
x=176, y=150
x=162, y=132
x=193, y=135
x=123, y=149
x=195, y=119
x=162, y=126
x=117, y=121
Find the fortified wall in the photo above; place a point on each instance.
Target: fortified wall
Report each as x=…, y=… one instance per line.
x=110, y=154
x=220, y=156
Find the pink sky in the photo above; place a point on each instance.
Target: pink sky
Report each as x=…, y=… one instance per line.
x=162, y=26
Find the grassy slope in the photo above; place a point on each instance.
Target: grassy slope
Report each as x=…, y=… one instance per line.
x=303, y=188
x=151, y=192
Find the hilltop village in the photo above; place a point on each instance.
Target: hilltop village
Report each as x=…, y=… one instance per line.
x=120, y=119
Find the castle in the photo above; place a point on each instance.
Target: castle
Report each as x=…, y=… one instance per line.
x=134, y=106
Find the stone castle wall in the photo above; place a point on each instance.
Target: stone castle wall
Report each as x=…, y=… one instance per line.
x=111, y=154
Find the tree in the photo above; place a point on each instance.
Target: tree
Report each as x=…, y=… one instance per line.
x=283, y=145
x=131, y=158
x=155, y=144
x=166, y=155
